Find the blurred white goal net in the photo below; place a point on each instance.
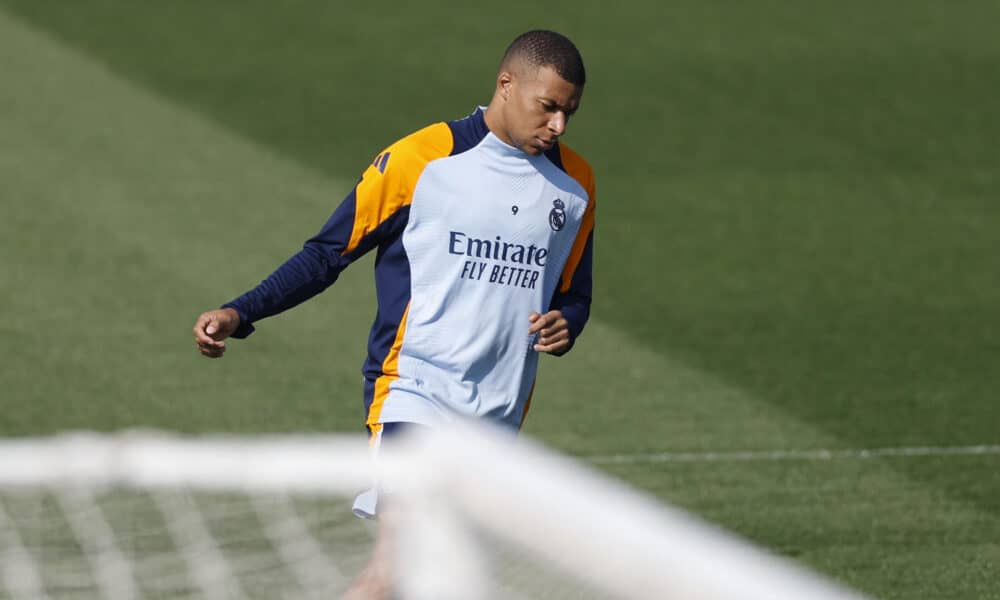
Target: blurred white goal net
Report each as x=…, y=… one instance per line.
x=476, y=515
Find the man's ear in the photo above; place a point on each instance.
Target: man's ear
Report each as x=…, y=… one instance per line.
x=504, y=80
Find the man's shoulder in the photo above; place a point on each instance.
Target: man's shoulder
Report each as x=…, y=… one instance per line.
x=577, y=167
x=573, y=160
x=421, y=146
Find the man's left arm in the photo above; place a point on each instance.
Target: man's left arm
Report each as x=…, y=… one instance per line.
x=559, y=328
x=569, y=310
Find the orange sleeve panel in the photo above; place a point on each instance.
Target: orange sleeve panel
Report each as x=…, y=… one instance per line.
x=578, y=168
x=387, y=184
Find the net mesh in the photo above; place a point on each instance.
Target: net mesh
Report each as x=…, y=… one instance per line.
x=77, y=543
x=475, y=515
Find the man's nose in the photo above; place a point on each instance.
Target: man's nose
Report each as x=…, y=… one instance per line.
x=557, y=124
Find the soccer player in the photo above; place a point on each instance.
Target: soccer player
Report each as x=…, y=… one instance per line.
x=483, y=231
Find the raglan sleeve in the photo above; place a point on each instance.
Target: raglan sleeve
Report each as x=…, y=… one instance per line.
x=573, y=296
x=367, y=216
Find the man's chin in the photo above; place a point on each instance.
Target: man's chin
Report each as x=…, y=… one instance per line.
x=536, y=147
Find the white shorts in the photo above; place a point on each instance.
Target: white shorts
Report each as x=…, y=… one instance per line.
x=366, y=503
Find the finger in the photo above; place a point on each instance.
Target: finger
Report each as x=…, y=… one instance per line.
x=559, y=325
x=212, y=348
x=210, y=343
x=553, y=336
x=201, y=326
x=553, y=347
x=557, y=337
x=212, y=352
x=538, y=321
x=207, y=341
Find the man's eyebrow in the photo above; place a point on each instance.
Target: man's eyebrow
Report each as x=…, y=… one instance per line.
x=565, y=109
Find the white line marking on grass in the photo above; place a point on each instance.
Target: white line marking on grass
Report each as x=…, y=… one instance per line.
x=803, y=455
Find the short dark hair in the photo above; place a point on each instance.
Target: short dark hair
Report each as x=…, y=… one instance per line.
x=544, y=48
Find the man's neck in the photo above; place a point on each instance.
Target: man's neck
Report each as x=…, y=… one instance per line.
x=494, y=122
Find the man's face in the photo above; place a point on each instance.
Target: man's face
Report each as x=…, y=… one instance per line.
x=538, y=106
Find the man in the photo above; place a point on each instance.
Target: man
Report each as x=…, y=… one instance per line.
x=483, y=229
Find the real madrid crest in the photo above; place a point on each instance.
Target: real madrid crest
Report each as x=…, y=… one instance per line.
x=557, y=216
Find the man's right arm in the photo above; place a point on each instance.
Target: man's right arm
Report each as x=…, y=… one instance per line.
x=374, y=211
x=307, y=273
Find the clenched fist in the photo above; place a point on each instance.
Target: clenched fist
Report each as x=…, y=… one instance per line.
x=212, y=328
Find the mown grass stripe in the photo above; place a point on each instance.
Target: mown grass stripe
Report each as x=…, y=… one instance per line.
x=801, y=455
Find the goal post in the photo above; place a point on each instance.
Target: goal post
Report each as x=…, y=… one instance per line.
x=481, y=515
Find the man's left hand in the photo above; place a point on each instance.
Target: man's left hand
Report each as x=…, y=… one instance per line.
x=552, y=329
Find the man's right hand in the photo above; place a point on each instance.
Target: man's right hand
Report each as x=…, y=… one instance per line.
x=212, y=328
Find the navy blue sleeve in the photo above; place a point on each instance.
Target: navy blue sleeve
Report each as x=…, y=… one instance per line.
x=307, y=273
x=575, y=302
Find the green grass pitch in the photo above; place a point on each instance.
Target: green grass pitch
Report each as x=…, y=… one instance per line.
x=797, y=244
